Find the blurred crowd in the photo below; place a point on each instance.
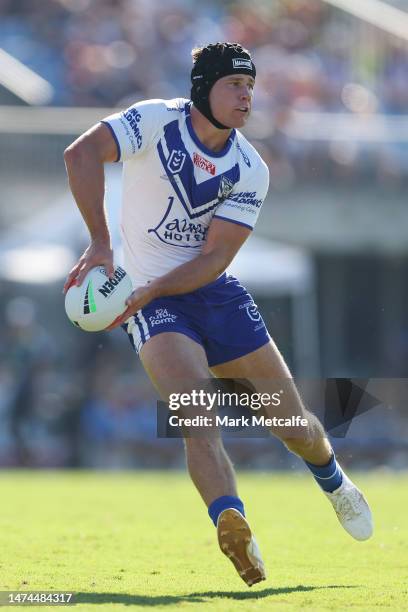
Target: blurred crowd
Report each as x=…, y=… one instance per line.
x=70, y=399
x=310, y=57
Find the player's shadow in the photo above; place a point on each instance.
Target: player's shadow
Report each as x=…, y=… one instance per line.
x=198, y=597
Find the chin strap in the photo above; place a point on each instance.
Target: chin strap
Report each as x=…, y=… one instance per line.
x=201, y=100
x=215, y=62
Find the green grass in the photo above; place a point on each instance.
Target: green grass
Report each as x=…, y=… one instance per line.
x=143, y=540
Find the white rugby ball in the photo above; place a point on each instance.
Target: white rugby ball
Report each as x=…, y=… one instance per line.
x=99, y=300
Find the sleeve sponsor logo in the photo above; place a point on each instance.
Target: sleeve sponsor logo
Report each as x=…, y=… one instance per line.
x=241, y=207
x=179, y=108
x=203, y=163
x=133, y=118
x=246, y=197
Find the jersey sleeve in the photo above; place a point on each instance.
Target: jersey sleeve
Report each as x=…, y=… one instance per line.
x=135, y=128
x=243, y=204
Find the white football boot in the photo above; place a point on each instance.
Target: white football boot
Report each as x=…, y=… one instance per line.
x=238, y=544
x=352, y=510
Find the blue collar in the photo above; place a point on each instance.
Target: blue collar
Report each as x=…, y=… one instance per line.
x=198, y=142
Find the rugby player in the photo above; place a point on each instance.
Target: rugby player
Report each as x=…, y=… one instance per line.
x=192, y=191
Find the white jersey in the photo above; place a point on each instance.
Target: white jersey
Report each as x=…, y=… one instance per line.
x=173, y=185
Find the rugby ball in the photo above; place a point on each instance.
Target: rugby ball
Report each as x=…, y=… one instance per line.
x=99, y=300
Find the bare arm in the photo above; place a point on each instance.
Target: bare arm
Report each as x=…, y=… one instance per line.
x=223, y=242
x=84, y=161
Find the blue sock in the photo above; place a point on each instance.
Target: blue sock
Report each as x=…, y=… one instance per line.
x=329, y=477
x=222, y=503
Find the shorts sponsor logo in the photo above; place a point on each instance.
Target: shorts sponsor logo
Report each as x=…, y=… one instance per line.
x=176, y=161
x=241, y=62
x=203, y=163
x=161, y=316
x=133, y=118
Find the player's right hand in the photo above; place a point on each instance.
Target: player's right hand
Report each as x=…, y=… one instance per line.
x=99, y=253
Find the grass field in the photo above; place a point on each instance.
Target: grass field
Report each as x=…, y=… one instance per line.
x=142, y=540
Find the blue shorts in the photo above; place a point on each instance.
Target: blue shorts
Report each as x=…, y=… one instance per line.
x=221, y=316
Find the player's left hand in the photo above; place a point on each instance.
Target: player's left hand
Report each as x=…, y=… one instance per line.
x=136, y=300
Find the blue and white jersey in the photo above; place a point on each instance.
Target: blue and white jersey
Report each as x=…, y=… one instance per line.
x=173, y=185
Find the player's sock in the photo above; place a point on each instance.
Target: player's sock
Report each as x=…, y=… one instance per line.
x=222, y=503
x=329, y=477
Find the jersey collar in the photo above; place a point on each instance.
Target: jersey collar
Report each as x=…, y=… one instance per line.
x=198, y=142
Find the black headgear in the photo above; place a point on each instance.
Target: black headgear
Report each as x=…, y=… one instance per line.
x=215, y=62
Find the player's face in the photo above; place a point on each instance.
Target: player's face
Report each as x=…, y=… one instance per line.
x=231, y=99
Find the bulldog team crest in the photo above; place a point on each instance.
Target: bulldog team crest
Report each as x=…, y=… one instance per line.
x=226, y=186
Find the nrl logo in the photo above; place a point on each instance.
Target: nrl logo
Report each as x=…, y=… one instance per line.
x=226, y=186
x=176, y=161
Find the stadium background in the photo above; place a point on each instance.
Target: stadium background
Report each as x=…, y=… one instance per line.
x=329, y=119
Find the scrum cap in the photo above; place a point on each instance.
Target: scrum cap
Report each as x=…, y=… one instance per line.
x=216, y=61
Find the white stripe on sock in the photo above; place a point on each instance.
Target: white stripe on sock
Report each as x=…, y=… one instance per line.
x=327, y=477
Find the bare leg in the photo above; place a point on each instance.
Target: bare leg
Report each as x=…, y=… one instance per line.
x=310, y=443
x=177, y=364
x=210, y=468
x=263, y=366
